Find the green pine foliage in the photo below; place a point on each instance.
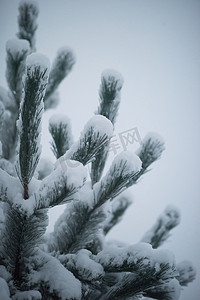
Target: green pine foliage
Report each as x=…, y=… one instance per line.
x=75, y=261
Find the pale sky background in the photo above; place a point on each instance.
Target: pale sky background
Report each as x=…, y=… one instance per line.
x=155, y=45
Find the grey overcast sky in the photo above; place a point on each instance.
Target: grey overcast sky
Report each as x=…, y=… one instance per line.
x=155, y=45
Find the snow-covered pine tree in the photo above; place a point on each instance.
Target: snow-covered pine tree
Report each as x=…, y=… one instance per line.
x=74, y=261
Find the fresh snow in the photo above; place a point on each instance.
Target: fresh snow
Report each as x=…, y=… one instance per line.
x=60, y=119
x=30, y=3
x=155, y=143
x=84, y=264
x=166, y=221
x=171, y=288
x=132, y=254
x=17, y=46
x=57, y=277
x=87, y=194
x=57, y=119
x=186, y=270
x=125, y=196
x=174, y=289
x=133, y=162
x=27, y=295
x=63, y=51
x=4, y=97
x=83, y=261
x=44, y=168
x=75, y=174
x=12, y=186
x=100, y=124
x=4, y=290
x=2, y=109
x=0, y=149
x=36, y=60
x=111, y=76
x=154, y=137
x=72, y=176
x=4, y=273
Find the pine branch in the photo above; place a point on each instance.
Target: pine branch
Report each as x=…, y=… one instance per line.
x=78, y=227
x=30, y=118
x=27, y=21
x=60, y=129
x=134, y=258
x=98, y=164
x=96, y=133
x=144, y=268
x=123, y=170
x=20, y=237
x=150, y=150
x=48, y=273
x=132, y=284
x=109, y=94
x=83, y=266
x=159, y=233
x=186, y=273
x=61, y=67
x=168, y=291
x=119, y=207
x=17, y=51
x=135, y=284
x=60, y=186
x=82, y=221
x=44, y=168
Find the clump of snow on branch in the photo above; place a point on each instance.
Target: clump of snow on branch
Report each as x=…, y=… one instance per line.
x=75, y=176
x=4, y=290
x=132, y=161
x=37, y=60
x=186, y=272
x=28, y=295
x=64, y=181
x=17, y=46
x=66, y=53
x=27, y=20
x=57, y=119
x=132, y=254
x=160, y=230
x=97, y=131
x=57, y=278
x=44, y=168
x=151, y=149
x=99, y=124
x=84, y=264
x=111, y=76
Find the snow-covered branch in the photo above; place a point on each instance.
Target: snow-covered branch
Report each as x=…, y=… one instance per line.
x=160, y=232
x=30, y=117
